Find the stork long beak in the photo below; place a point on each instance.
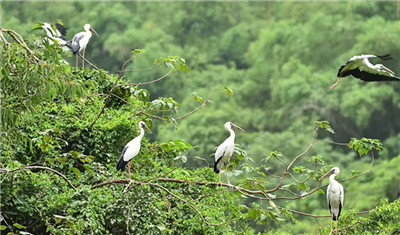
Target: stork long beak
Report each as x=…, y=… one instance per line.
x=147, y=129
x=91, y=29
x=238, y=128
x=326, y=175
x=387, y=70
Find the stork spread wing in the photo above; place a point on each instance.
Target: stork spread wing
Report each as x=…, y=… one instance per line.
x=370, y=75
x=62, y=31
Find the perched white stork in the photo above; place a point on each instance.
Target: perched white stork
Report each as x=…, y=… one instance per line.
x=225, y=151
x=131, y=150
x=80, y=41
x=361, y=68
x=334, y=195
x=57, y=36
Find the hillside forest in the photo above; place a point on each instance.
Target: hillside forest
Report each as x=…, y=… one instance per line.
x=185, y=68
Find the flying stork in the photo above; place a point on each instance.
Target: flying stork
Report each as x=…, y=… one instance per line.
x=80, y=41
x=225, y=151
x=334, y=195
x=361, y=68
x=131, y=150
x=57, y=36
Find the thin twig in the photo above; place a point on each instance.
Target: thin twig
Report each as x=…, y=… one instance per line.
x=40, y=168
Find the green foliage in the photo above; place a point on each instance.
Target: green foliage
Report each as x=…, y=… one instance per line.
x=364, y=145
x=279, y=58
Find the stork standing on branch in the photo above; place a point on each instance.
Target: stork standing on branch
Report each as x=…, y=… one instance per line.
x=361, y=68
x=225, y=151
x=131, y=150
x=80, y=41
x=334, y=195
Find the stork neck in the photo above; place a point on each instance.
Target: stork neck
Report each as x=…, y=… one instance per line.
x=141, y=133
x=232, y=134
x=332, y=179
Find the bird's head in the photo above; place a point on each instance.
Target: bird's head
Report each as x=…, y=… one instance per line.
x=382, y=68
x=230, y=125
x=334, y=171
x=144, y=126
x=88, y=28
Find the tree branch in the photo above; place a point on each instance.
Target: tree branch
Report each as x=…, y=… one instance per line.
x=40, y=168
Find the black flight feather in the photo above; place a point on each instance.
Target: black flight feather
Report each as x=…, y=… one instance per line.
x=62, y=30
x=369, y=77
x=121, y=163
x=216, y=170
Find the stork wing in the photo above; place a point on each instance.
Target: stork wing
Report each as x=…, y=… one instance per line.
x=372, y=75
x=61, y=31
x=218, y=157
x=341, y=200
x=354, y=59
x=121, y=163
x=75, y=42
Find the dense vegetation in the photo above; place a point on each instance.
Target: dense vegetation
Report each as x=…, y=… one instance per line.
x=266, y=66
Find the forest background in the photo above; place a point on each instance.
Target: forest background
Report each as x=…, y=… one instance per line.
x=279, y=59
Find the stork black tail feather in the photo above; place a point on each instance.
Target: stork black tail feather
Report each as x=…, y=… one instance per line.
x=384, y=57
x=121, y=164
x=216, y=170
x=334, y=218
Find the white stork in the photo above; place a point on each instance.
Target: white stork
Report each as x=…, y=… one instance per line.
x=80, y=41
x=57, y=36
x=225, y=150
x=131, y=150
x=361, y=68
x=334, y=195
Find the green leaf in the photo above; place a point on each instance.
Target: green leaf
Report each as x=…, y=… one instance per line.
x=325, y=125
x=88, y=169
x=303, y=186
x=138, y=51
x=19, y=226
x=170, y=66
x=58, y=218
x=197, y=97
x=3, y=227
x=183, y=158
x=38, y=26
x=162, y=228
x=76, y=171
x=229, y=91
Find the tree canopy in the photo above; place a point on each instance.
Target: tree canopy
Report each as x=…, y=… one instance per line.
x=186, y=68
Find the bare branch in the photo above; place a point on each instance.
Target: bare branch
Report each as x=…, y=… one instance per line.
x=40, y=168
x=142, y=70
x=88, y=62
x=187, y=203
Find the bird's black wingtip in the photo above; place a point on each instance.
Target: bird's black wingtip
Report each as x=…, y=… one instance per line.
x=121, y=165
x=216, y=170
x=384, y=57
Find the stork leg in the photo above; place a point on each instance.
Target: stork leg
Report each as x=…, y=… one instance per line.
x=83, y=62
x=226, y=172
x=76, y=60
x=337, y=220
x=336, y=83
x=129, y=170
x=331, y=222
